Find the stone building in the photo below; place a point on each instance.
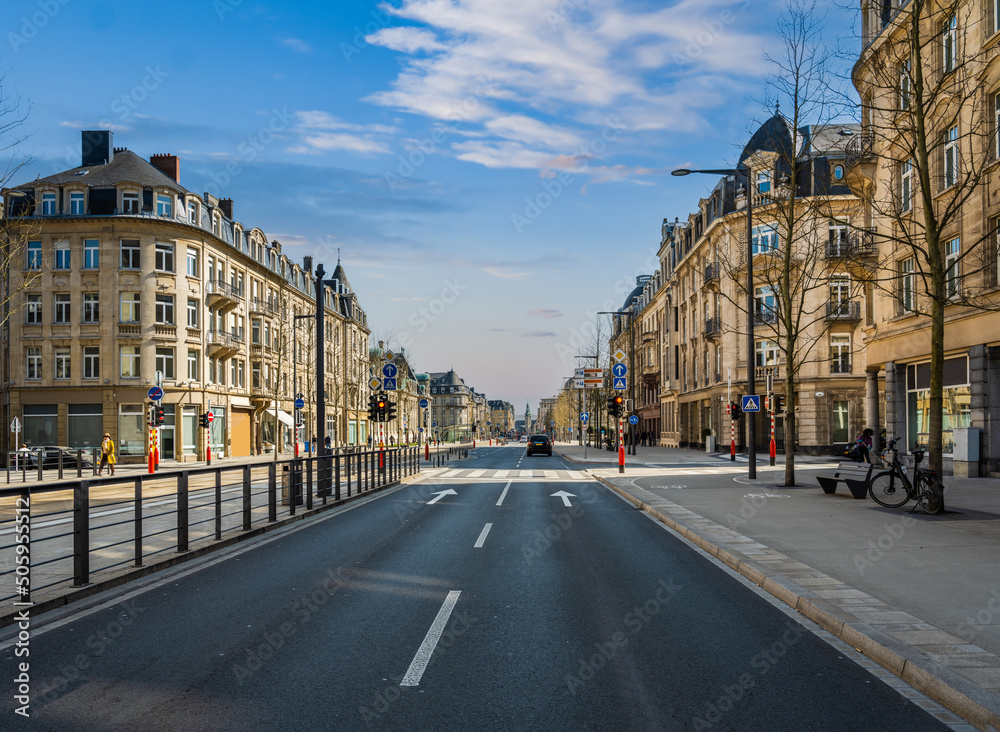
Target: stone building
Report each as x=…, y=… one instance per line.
x=138, y=277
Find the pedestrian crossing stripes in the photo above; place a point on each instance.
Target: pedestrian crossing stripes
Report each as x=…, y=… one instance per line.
x=489, y=475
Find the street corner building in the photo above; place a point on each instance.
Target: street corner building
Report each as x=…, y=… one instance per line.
x=118, y=276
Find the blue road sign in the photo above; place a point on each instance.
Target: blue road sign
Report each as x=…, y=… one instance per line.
x=621, y=383
x=389, y=371
x=751, y=403
x=389, y=384
x=299, y=403
x=585, y=417
x=155, y=393
x=424, y=403
x=633, y=419
x=619, y=369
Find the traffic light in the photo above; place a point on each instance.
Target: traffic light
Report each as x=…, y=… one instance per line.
x=390, y=411
x=778, y=404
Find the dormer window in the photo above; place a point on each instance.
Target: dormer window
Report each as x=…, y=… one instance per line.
x=130, y=203
x=48, y=204
x=764, y=181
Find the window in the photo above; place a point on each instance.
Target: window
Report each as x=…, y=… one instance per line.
x=951, y=157
x=164, y=205
x=840, y=353
x=905, y=85
x=33, y=309
x=62, y=301
x=62, y=255
x=192, y=313
x=764, y=304
x=952, y=249
x=62, y=364
x=130, y=307
x=91, y=362
x=130, y=203
x=949, y=45
x=34, y=255
x=130, y=362
x=765, y=239
x=130, y=254
x=165, y=362
x=91, y=253
x=91, y=307
x=766, y=353
x=165, y=309
x=165, y=256
x=193, y=362
x=764, y=181
x=837, y=245
x=48, y=204
x=76, y=204
x=192, y=262
x=906, y=185
x=906, y=283
x=34, y=364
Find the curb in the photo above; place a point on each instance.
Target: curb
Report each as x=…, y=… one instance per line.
x=971, y=702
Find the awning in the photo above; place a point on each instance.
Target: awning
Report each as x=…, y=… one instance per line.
x=284, y=417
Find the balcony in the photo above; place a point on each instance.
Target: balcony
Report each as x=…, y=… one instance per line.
x=713, y=328
x=259, y=306
x=223, y=344
x=843, y=310
x=222, y=296
x=859, y=148
x=711, y=273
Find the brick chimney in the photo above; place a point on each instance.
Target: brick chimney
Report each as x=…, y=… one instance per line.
x=226, y=204
x=167, y=164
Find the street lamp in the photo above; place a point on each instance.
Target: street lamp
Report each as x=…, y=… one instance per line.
x=751, y=385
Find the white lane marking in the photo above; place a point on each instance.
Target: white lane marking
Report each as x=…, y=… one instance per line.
x=441, y=494
x=504, y=494
x=426, y=650
x=482, y=537
x=476, y=474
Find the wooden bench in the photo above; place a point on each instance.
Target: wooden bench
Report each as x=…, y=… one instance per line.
x=855, y=475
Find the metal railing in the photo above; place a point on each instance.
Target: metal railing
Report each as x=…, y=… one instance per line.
x=91, y=526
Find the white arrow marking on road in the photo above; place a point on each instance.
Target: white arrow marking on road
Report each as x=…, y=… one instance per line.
x=442, y=494
x=565, y=497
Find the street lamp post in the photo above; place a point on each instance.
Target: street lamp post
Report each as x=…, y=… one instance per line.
x=751, y=385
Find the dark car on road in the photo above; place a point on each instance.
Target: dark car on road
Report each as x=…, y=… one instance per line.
x=540, y=444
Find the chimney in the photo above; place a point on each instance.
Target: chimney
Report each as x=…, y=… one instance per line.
x=167, y=164
x=97, y=147
x=226, y=204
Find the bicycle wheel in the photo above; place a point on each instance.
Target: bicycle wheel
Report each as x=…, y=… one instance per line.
x=887, y=489
x=930, y=494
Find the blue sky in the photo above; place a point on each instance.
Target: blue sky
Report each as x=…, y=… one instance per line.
x=491, y=170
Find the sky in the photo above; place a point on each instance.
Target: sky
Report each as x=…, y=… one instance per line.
x=490, y=172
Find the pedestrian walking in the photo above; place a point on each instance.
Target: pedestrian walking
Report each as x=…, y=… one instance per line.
x=864, y=443
x=107, y=455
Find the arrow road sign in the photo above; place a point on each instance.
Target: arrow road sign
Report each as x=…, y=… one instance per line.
x=389, y=371
x=155, y=393
x=389, y=384
x=442, y=494
x=565, y=497
x=751, y=403
x=621, y=384
x=619, y=369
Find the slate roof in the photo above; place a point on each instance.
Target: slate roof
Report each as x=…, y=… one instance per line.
x=124, y=167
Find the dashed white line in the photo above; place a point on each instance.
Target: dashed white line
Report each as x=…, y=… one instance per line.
x=482, y=536
x=426, y=650
x=504, y=494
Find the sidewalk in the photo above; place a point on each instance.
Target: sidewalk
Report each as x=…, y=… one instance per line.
x=918, y=594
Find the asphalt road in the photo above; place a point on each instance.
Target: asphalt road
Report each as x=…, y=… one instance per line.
x=589, y=616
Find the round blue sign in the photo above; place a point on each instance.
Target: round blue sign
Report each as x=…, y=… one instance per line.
x=299, y=403
x=633, y=419
x=424, y=403
x=155, y=393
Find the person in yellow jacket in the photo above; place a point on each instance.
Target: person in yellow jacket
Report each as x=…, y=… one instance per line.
x=107, y=454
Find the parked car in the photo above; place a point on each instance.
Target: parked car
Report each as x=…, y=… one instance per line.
x=539, y=444
x=50, y=459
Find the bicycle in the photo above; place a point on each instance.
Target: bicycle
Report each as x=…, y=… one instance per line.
x=892, y=488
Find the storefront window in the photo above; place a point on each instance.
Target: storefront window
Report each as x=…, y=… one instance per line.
x=131, y=431
x=957, y=407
